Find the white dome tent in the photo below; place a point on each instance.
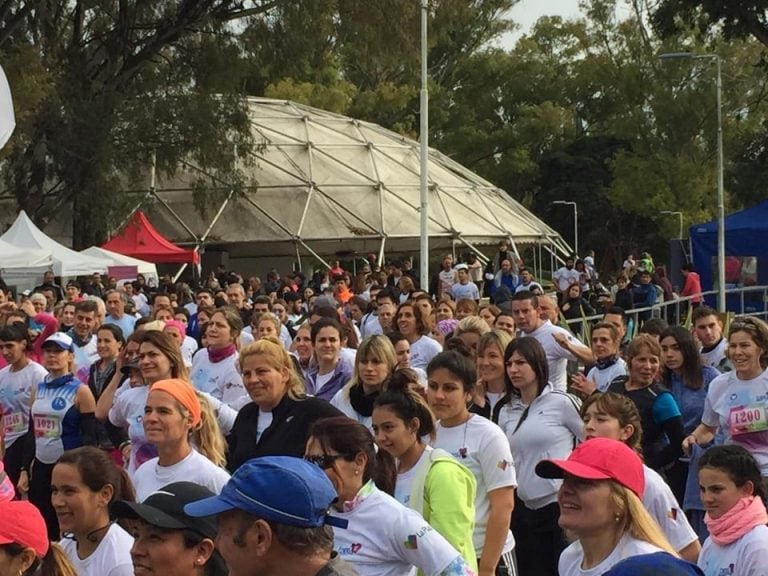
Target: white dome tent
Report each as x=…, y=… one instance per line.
x=327, y=185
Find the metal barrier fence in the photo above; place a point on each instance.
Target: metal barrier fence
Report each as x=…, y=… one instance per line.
x=745, y=301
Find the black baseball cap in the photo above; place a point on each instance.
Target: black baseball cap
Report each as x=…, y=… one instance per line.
x=165, y=509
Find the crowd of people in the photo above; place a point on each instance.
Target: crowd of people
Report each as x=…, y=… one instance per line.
x=359, y=424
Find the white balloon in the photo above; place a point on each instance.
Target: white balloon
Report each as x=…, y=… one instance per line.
x=7, y=119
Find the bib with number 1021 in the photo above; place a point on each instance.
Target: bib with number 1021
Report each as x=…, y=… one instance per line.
x=47, y=427
x=746, y=419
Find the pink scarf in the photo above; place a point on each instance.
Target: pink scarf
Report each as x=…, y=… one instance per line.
x=745, y=515
x=216, y=355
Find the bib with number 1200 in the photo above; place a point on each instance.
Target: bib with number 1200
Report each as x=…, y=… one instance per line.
x=746, y=419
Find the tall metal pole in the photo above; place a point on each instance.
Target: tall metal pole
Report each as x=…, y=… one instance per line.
x=720, y=194
x=424, y=140
x=720, y=169
x=576, y=228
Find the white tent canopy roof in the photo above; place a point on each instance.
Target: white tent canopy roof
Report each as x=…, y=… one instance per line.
x=13, y=257
x=332, y=183
x=66, y=262
x=148, y=269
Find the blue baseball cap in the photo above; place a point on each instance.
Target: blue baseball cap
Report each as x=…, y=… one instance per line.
x=283, y=489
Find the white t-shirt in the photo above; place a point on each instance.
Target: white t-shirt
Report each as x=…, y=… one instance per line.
x=84, y=357
x=564, y=278
x=739, y=408
x=468, y=290
x=447, y=279
x=747, y=556
x=265, y=421
x=384, y=538
x=663, y=506
x=221, y=380
x=550, y=431
x=16, y=398
x=423, y=350
x=573, y=555
x=481, y=446
x=341, y=401
x=716, y=355
x=604, y=377
x=150, y=476
x=557, y=356
x=127, y=412
x=112, y=556
x=405, y=479
x=188, y=349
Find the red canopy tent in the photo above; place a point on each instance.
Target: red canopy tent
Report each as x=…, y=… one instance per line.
x=141, y=240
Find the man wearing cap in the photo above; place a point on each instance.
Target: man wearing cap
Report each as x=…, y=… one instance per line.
x=464, y=288
x=187, y=544
x=273, y=520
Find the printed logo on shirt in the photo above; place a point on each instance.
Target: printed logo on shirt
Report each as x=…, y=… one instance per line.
x=503, y=464
x=351, y=550
x=727, y=571
x=412, y=543
x=58, y=403
x=672, y=513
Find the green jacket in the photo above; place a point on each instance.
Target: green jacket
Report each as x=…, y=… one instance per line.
x=443, y=492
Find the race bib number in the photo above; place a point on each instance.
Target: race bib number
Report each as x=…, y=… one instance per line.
x=47, y=427
x=13, y=423
x=746, y=419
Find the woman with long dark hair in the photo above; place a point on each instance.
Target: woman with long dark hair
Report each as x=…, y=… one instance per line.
x=540, y=423
x=429, y=481
x=364, y=481
x=481, y=446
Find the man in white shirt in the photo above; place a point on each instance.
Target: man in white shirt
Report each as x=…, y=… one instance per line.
x=708, y=329
x=559, y=345
x=444, y=279
x=464, y=288
x=566, y=276
x=527, y=283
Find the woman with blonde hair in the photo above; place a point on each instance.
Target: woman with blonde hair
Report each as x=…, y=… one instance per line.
x=470, y=330
x=374, y=364
x=214, y=368
x=172, y=414
x=277, y=420
x=600, y=504
x=491, y=391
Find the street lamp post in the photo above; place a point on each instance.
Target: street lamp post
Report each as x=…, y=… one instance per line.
x=575, y=222
x=720, y=169
x=679, y=215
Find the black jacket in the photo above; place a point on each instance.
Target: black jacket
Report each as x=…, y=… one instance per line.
x=286, y=436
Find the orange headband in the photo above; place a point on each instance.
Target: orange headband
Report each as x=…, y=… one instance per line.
x=184, y=393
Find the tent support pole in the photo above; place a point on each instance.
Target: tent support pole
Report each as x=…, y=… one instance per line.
x=314, y=253
x=179, y=273
x=480, y=256
x=381, y=251
x=217, y=216
x=298, y=254
x=176, y=216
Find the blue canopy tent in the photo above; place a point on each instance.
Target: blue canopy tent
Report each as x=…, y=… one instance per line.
x=746, y=250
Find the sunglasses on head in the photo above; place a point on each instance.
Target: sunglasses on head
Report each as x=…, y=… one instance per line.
x=324, y=461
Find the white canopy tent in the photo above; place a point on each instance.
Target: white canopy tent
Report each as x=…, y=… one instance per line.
x=23, y=267
x=148, y=269
x=65, y=261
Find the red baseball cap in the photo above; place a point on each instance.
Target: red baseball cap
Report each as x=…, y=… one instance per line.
x=599, y=459
x=24, y=525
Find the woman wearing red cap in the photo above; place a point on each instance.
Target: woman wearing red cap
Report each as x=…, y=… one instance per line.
x=609, y=415
x=24, y=546
x=600, y=503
